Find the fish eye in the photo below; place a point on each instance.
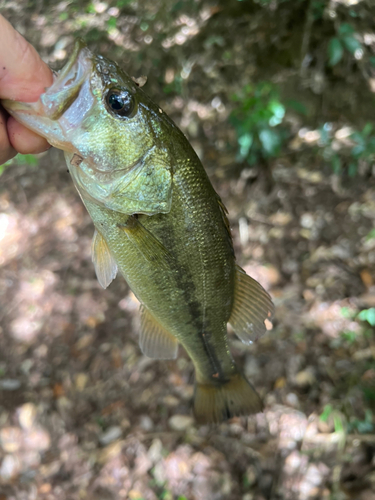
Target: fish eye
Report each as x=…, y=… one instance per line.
x=120, y=102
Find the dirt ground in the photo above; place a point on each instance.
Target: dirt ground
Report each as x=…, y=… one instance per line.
x=83, y=414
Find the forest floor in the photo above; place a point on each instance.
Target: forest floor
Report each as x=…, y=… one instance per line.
x=83, y=414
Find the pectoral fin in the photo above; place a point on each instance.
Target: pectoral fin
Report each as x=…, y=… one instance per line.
x=147, y=244
x=252, y=308
x=155, y=341
x=104, y=263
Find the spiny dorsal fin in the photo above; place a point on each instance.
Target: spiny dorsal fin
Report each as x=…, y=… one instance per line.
x=252, y=307
x=105, y=265
x=154, y=341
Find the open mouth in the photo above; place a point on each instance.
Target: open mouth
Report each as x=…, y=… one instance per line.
x=65, y=89
x=41, y=116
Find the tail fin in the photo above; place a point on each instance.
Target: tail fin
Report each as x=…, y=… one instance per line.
x=215, y=403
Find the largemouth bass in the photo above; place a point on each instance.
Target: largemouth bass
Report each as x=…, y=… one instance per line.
x=158, y=221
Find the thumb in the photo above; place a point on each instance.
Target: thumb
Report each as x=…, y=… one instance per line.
x=23, y=74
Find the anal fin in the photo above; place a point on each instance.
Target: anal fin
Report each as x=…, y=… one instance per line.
x=104, y=263
x=154, y=340
x=252, y=308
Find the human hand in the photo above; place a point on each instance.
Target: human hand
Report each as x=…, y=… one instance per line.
x=23, y=77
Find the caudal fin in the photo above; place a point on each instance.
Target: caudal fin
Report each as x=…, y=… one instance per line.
x=215, y=403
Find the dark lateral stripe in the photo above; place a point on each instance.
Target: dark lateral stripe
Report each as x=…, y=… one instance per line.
x=182, y=276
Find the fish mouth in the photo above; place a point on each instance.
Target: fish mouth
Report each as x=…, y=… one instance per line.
x=43, y=115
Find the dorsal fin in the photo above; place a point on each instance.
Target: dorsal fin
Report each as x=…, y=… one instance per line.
x=104, y=263
x=252, y=307
x=224, y=214
x=154, y=341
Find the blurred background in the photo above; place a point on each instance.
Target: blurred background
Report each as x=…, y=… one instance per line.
x=277, y=98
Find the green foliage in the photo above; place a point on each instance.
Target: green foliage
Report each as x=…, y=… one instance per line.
x=371, y=235
x=317, y=8
x=364, y=148
x=257, y=122
x=347, y=312
x=30, y=160
x=327, y=410
x=339, y=423
x=350, y=336
x=174, y=87
x=347, y=158
x=335, y=51
x=90, y=9
x=166, y=495
x=345, y=39
x=368, y=315
x=112, y=23
x=365, y=426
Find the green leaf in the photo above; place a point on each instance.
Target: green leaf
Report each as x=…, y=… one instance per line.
x=177, y=6
x=111, y=23
x=335, y=51
x=371, y=235
x=245, y=142
x=338, y=422
x=327, y=410
x=270, y=141
x=346, y=29
x=336, y=164
x=278, y=111
x=368, y=315
x=349, y=336
x=351, y=44
x=348, y=313
x=367, y=129
x=318, y=7
x=90, y=9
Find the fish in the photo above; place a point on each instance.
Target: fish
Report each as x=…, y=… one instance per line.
x=158, y=222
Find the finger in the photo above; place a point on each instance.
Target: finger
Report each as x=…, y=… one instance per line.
x=24, y=140
x=23, y=74
x=6, y=150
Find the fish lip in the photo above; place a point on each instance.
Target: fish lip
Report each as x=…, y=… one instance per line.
x=79, y=46
x=69, y=79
